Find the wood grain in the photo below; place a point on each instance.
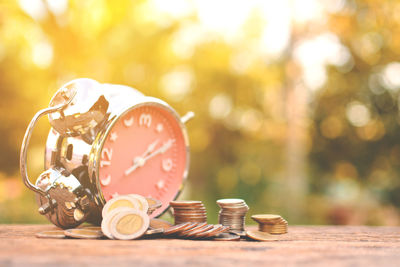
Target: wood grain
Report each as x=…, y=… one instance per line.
x=302, y=246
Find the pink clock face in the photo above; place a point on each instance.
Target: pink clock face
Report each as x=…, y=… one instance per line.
x=144, y=153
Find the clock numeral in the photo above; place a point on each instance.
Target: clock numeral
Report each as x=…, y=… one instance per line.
x=106, y=155
x=106, y=181
x=145, y=119
x=128, y=122
x=160, y=185
x=167, y=164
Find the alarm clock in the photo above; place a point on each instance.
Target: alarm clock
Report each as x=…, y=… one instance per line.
x=107, y=140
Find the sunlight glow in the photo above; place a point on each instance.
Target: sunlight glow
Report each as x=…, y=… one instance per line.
x=358, y=114
x=36, y=9
x=42, y=54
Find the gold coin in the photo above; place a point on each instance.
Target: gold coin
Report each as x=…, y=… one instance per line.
x=106, y=222
x=260, y=236
x=58, y=234
x=142, y=202
x=83, y=233
x=119, y=202
x=130, y=224
x=266, y=218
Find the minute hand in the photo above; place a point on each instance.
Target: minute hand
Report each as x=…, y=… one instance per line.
x=167, y=145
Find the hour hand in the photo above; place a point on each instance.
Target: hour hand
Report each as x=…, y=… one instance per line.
x=140, y=160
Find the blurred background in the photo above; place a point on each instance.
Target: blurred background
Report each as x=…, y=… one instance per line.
x=297, y=101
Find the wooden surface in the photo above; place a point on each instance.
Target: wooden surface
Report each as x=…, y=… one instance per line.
x=302, y=246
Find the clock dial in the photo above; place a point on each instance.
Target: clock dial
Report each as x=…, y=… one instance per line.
x=144, y=153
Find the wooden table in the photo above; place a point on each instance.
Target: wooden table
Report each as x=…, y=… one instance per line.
x=307, y=246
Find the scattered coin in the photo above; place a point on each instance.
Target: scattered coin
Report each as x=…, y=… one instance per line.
x=159, y=223
x=227, y=237
x=260, y=236
x=95, y=228
x=205, y=228
x=186, y=232
x=129, y=224
x=176, y=228
x=154, y=231
x=83, y=233
x=119, y=202
x=217, y=229
x=58, y=234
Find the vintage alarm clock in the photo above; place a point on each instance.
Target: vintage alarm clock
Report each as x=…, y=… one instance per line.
x=106, y=140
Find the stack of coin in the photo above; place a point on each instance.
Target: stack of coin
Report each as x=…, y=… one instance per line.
x=125, y=217
x=232, y=214
x=189, y=211
x=271, y=223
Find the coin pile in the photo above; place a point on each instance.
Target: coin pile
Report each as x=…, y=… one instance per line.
x=271, y=223
x=232, y=214
x=189, y=211
x=125, y=217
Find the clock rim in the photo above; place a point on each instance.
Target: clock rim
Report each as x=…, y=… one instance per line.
x=98, y=144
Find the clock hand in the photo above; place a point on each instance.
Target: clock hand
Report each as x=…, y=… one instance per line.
x=167, y=145
x=140, y=161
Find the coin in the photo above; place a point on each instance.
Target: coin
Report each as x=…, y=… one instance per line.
x=227, y=237
x=176, y=228
x=260, y=236
x=233, y=212
x=230, y=201
x=154, y=231
x=119, y=202
x=159, y=223
x=185, y=203
x=188, y=211
x=271, y=223
x=153, y=203
x=205, y=228
x=83, y=233
x=95, y=228
x=58, y=234
x=266, y=218
x=106, y=222
x=213, y=231
x=198, y=226
x=129, y=224
x=142, y=202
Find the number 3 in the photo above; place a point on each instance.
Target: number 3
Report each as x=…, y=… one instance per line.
x=145, y=119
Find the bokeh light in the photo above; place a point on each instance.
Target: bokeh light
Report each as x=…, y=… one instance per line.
x=296, y=101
